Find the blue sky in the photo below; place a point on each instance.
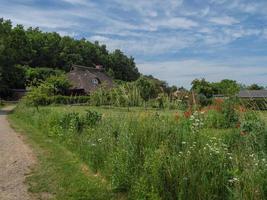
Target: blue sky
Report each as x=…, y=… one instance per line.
x=174, y=40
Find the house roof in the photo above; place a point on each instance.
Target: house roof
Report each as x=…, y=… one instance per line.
x=82, y=77
x=252, y=94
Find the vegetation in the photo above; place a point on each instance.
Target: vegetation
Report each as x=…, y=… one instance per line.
x=255, y=87
x=34, y=48
x=205, y=90
x=149, y=154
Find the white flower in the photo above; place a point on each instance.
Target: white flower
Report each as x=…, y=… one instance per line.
x=233, y=180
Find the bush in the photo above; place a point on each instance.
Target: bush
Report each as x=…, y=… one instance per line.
x=35, y=76
x=224, y=116
x=255, y=128
x=91, y=118
x=229, y=113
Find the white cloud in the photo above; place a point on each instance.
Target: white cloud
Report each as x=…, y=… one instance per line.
x=149, y=8
x=224, y=20
x=147, y=45
x=172, y=23
x=183, y=72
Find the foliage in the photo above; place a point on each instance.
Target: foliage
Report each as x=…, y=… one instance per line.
x=202, y=87
x=147, y=88
x=40, y=95
x=91, y=118
x=206, y=90
x=153, y=155
x=60, y=84
x=229, y=113
x=34, y=48
x=227, y=87
x=255, y=104
x=223, y=116
x=255, y=87
x=35, y=76
x=253, y=126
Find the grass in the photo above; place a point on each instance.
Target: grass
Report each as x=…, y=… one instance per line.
x=59, y=173
x=144, y=154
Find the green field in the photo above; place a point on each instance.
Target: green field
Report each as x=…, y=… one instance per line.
x=135, y=153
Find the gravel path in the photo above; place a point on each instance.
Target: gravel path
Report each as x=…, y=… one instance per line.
x=15, y=160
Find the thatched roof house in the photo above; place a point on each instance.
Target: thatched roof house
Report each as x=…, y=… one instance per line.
x=88, y=78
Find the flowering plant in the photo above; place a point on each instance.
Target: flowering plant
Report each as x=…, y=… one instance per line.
x=197, y=121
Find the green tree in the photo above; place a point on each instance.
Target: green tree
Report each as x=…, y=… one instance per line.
x=201, y=86
x=227, y=87
x=255, y=87
x=147, y=88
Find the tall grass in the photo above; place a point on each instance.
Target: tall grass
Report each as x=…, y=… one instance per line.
x=148, y=155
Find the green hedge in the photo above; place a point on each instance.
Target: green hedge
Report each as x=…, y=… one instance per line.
x=59, y=99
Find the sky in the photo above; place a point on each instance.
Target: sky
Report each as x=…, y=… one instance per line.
x=173, y=40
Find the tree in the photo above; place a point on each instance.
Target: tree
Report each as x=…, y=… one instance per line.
x=147, y=88
x=227, y=87
x=124, y=68
x=255, y=87
x=202, y=87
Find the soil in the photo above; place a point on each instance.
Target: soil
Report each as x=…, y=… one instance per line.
x=16, y=160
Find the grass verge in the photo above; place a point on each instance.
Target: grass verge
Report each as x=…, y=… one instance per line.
x=59, y=174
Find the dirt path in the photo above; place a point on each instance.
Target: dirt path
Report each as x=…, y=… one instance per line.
x=15, y=160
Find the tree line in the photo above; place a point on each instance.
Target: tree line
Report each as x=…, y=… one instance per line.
x=35, y=48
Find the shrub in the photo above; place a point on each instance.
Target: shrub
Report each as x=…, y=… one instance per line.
x=35, y=76
x=222, y=116
x=255, y=128
x=91, y=118
x=229, y=113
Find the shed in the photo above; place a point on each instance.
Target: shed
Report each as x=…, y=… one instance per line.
x=252, y=94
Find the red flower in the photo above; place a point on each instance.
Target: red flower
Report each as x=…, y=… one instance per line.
x=187, y=114
x=177, y=116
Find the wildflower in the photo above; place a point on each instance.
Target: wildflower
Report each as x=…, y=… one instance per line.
x=243, y=133
x=233, y=180
x=183, y=142
x=187, y=114
x=177, y=116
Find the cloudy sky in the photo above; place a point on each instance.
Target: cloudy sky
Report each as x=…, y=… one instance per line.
x=174, y=40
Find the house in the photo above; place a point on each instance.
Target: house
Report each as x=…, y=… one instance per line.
x=88, y=79
x=252, y=94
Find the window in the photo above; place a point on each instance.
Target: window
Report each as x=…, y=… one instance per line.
x=95, y=81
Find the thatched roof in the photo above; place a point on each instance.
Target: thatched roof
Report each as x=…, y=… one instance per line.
x=253, y=94
x=88, y=78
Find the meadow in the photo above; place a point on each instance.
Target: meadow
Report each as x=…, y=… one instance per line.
x=137, y=153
